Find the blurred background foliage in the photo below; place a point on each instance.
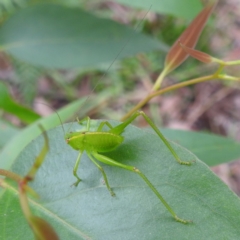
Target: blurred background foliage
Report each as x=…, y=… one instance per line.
x=48, y=61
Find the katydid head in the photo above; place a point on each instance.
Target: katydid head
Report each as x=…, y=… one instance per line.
x=75, y=139
x=68, y=137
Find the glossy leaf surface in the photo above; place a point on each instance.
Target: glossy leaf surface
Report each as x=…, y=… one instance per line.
x=56, y=36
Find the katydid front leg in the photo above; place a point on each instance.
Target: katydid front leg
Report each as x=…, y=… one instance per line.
x=98, y=166
x=76, y=168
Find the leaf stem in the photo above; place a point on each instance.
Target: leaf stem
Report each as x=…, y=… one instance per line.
x=230, y=63
x=179, y=85
x=159, y=80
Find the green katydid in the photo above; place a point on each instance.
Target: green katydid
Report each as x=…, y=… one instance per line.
x=97, y=142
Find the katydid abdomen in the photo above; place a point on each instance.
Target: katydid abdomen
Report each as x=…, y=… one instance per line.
x=94, y=141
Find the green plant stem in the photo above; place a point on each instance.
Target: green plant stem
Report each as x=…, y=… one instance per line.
x=10, y=175
x=40, y=158
x=230, y=63
x=24, y=201
x=159, y=80
x=228, y=77
x=176, y=86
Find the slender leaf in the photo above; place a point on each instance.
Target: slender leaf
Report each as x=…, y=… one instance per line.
x=201, y=56
x=189, y=38
x=176, y=55
x=8, y=104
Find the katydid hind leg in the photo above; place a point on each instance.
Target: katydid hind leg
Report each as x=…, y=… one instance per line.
x=158, y=132
x=120, y=128
x=99, y=129
x=109, y=161
x=87, y=120
x=102, y=125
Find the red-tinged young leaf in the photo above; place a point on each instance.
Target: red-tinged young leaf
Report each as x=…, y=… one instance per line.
x=189, y=38
x=42, y=230
x=201, y=56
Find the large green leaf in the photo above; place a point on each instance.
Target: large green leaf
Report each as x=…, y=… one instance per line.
x=89, y=212
x=211, y=149
x=184, y=8
x=55, y=36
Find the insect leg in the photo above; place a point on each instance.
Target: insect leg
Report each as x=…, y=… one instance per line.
x=103, y=173
x=87, y=119
x=120, y=128
x=102, y=124
x=154, y=127
x=76, y=168
x=112, y=162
